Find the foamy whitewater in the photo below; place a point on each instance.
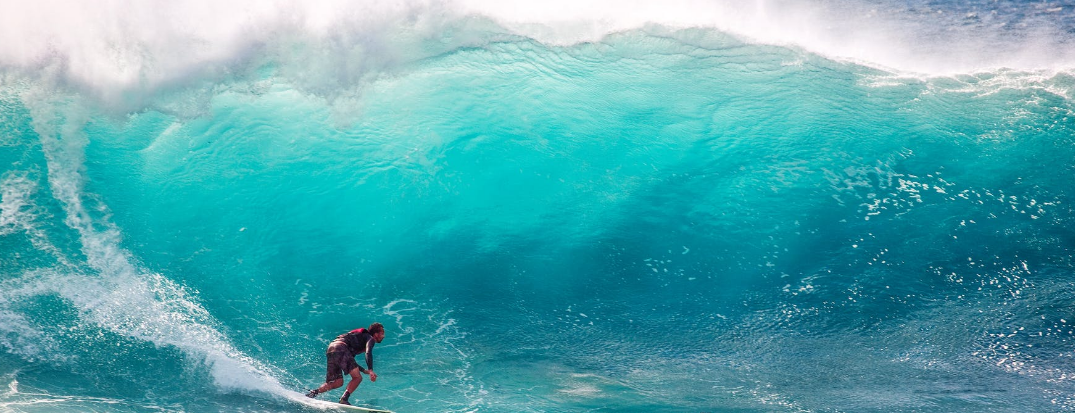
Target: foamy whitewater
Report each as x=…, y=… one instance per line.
x=684, y=206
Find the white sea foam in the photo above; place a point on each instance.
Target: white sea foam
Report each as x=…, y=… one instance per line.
x=19, y=212
x=14, y=191
x=17, y=335
x=118, y=46
x=110, y=291
x=15, y=205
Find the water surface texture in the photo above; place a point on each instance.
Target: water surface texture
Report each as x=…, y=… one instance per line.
x=771, y=206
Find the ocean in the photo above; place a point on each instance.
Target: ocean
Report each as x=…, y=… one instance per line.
x=558, y=206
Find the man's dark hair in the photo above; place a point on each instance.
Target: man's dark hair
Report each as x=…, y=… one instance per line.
x=375, y=328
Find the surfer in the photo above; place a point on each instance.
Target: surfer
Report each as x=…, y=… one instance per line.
x=341, y=359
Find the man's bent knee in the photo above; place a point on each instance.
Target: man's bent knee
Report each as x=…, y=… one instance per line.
x=356, y=375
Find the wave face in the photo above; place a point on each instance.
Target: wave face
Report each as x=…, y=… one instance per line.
x=548, y=212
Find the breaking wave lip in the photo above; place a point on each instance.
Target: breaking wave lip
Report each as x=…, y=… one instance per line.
x=132, y=46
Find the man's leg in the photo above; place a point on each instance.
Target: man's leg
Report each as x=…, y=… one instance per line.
x=333, y=374
x=331, y=385
x=356, y=378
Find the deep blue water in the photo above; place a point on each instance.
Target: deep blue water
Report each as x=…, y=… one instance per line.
x=664, y=218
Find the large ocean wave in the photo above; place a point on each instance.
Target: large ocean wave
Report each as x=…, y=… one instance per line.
x=702, y=206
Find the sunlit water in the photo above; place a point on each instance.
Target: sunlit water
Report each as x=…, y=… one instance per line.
x=707, y=208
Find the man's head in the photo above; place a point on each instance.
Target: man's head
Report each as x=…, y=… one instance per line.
x=377, y=330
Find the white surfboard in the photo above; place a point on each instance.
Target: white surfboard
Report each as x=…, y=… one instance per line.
x=322, y=404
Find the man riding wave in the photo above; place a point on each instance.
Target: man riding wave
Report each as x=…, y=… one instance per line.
x=341, y=359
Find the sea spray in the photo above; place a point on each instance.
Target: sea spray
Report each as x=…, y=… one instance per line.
x=116, y=294
x=722, y=208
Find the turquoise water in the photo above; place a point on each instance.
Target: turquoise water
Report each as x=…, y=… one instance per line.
x=663, y=219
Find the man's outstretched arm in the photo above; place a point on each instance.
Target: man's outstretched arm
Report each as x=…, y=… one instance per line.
x=369, y=359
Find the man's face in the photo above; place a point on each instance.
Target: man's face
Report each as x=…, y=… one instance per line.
x=379, y=336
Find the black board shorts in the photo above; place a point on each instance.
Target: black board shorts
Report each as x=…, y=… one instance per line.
x=340, y=361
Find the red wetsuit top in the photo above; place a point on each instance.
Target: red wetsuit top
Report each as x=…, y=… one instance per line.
x=358, y=341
